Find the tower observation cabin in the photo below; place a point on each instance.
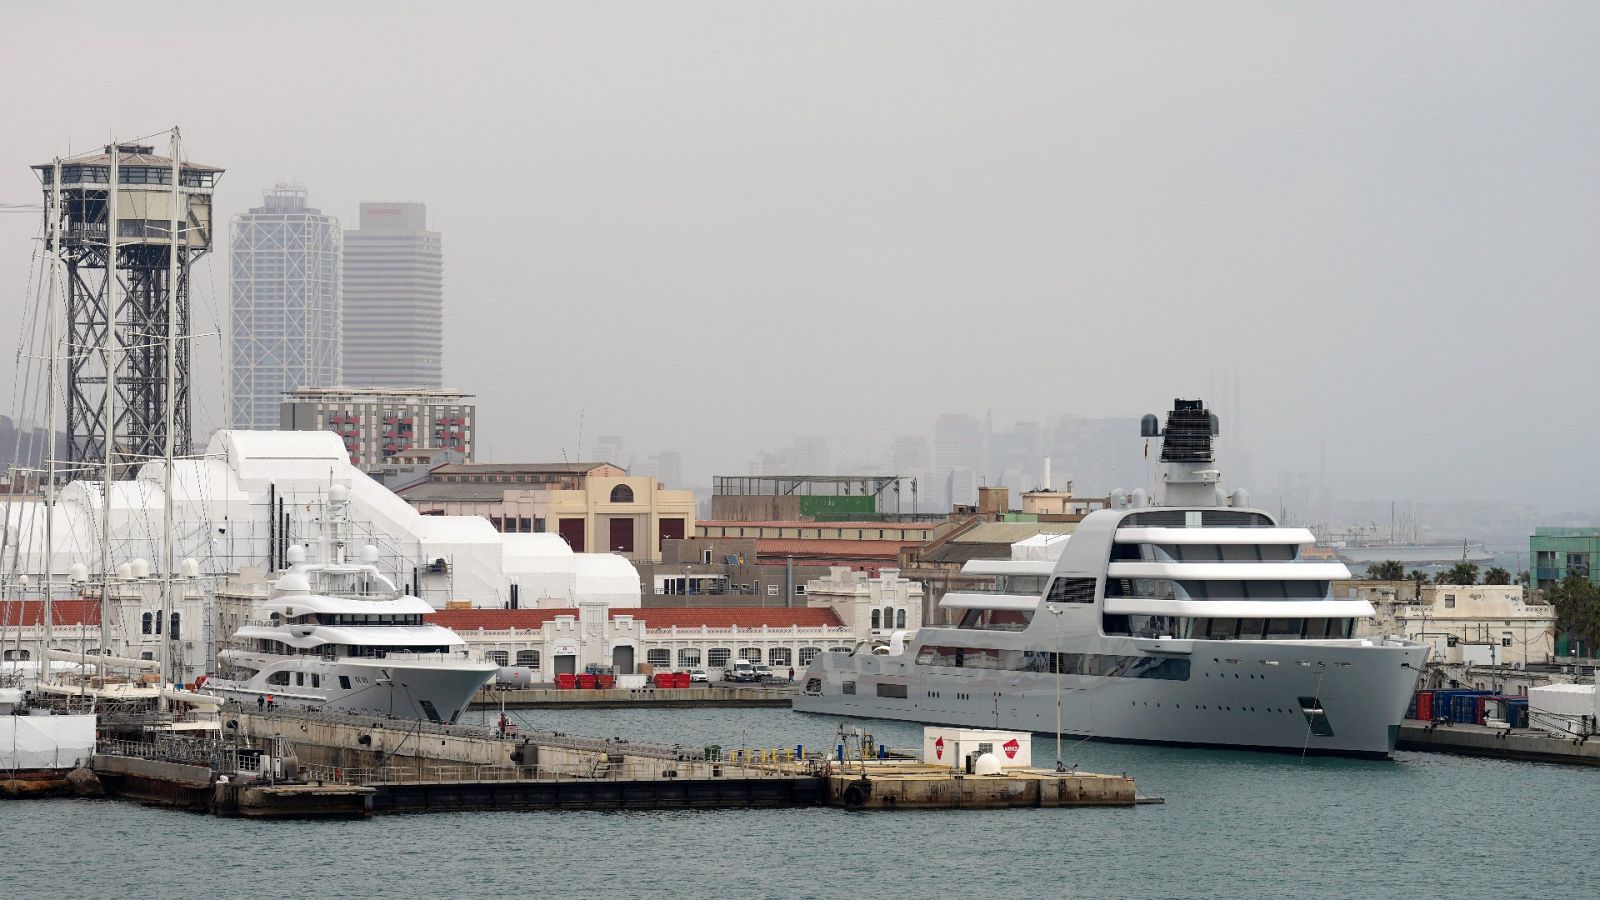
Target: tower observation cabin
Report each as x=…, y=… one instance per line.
x=127, y=234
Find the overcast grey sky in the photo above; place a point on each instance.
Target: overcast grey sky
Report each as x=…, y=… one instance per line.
x=711, y=227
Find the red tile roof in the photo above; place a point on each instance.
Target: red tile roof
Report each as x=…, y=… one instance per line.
x=30, y=613
x=686, y=617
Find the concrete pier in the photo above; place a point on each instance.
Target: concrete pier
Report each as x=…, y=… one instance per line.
x=913, y=785
x=1498, y=743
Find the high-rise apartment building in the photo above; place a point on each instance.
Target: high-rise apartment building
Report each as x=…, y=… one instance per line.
x=284, y=296
x=393, y=299
x=377, y=424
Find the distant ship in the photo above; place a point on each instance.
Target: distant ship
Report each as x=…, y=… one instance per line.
x=1194, y=621
x=1364, y=552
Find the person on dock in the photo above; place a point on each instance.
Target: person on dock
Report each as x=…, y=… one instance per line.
x=261, y=702
x=791, y=674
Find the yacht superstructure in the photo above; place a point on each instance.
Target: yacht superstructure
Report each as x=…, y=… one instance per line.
x=1193, y=621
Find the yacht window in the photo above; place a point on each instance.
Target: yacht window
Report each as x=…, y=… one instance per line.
x=1071, y=590
x=895, y=691
x=1283, y=628
x=279, y=678
x=299, y=679
x=316, y=680
x=344, y=682
x=848, y=688
x=1251, y=629
x=807, y=654
x=1221, y=629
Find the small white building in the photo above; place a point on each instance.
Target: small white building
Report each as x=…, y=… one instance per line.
x=875, y=607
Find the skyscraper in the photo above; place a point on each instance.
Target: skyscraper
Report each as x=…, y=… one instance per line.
x=285, y=302
x=393, y=299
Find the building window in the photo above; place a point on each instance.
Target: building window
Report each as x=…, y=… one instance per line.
x=1449, y=601
x=145, y=622
x=173, y=632
x=528, y=658
x=772, y=589
x=750, y=654
x=658, y=658
x=622, y=494
x=799, y=589
x=877, y=617
x=18, y=655
x=780, y=656
x=807, y=654
x=899, y=618
x=689, y=657
x=717, y=657
x=498, y=657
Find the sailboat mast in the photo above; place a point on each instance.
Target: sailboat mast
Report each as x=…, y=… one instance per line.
x=109, y=414
x=50, y=423
x=172, y=402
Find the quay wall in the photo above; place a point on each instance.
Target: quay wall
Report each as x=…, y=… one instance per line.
x=1498, y=743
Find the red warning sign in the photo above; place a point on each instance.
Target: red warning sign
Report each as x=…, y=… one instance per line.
x=938, y=748
x=1011, y=747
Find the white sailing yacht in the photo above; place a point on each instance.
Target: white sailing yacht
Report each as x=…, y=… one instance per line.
x=1193, y=620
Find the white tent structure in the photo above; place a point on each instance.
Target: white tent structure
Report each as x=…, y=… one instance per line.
x=254, y=493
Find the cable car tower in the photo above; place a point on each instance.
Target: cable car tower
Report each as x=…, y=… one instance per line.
x=123, y=286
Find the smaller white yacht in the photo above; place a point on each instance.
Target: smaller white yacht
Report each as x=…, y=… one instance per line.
x=340, y=636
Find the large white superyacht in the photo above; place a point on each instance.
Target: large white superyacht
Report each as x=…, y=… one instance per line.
x=341, y=636
x=1192, y=620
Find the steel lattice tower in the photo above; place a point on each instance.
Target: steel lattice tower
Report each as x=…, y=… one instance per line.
x=142, y=282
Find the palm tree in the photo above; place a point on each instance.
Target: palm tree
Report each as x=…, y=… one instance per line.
x=1497, y=575
x=1460, y=573
x=1389, y=570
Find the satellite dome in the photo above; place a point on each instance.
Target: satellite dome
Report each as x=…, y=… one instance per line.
x=295, y=555
x=140, y=568
x=987, y=764
x=292, y=583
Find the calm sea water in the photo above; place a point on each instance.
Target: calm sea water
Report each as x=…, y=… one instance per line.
x=1234, y=825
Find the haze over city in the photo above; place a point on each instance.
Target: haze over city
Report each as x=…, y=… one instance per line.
x=713, y=228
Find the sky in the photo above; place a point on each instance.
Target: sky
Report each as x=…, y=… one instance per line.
x=711, y=227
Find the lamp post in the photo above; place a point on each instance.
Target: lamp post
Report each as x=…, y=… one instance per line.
x=1060, y=766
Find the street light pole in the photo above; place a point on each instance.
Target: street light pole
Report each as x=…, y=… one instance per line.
x=1060, y=766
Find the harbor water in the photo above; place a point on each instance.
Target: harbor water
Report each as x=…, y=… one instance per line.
x=1234, y=825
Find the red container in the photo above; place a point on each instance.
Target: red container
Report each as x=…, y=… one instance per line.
x=605, y=682
x=1477, y=716
x=665, y=679
x=1425, y=706
x=566, y=681
x=680, y=679
x=586, y=682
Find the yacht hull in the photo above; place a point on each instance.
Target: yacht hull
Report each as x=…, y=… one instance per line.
x=408, y=689
x=1255, y=695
